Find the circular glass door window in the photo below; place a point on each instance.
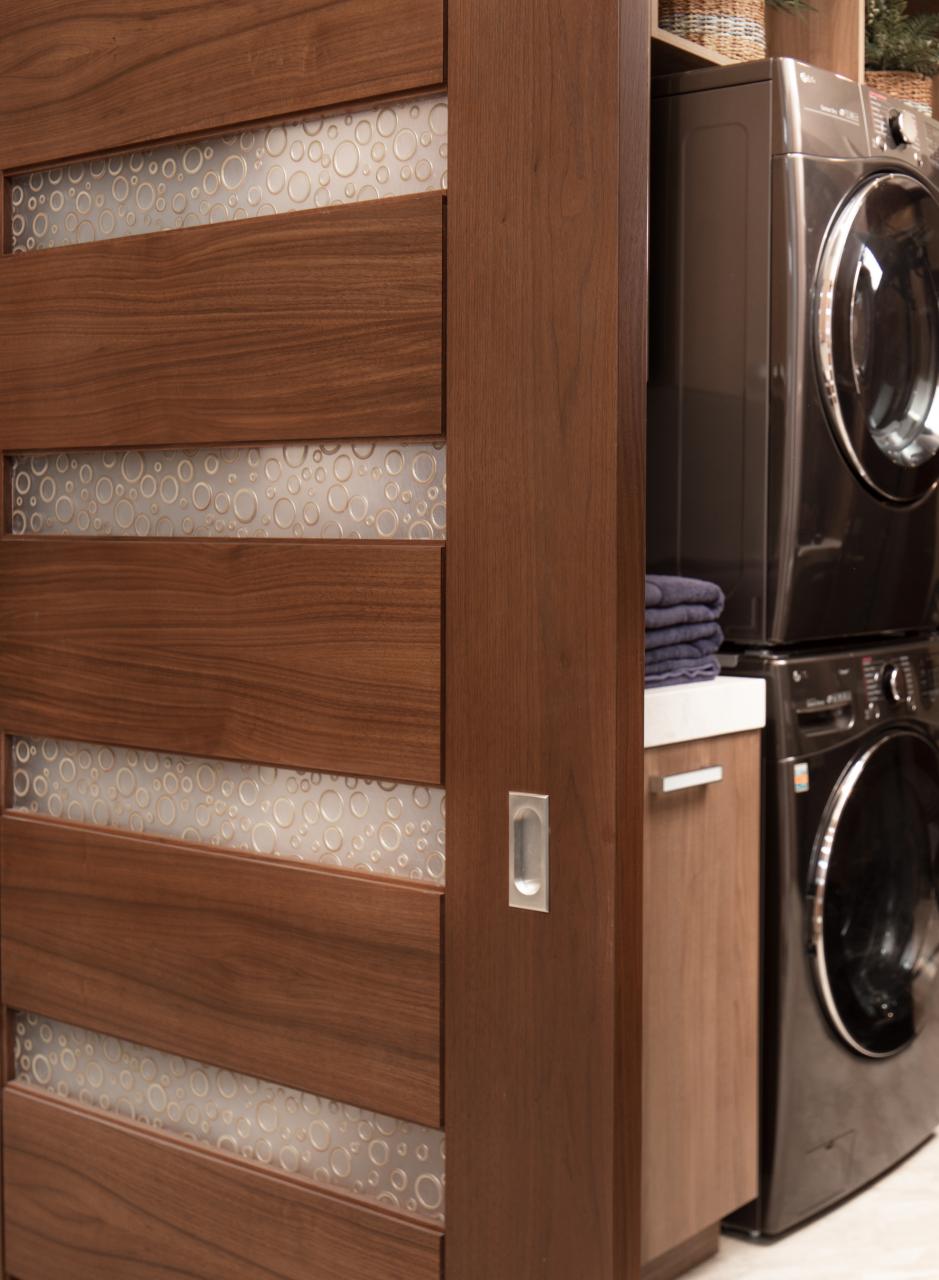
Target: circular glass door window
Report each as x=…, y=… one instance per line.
x=875, y=909
x=877, y=334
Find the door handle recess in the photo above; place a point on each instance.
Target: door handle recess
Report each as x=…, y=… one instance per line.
x=685, y=781
x=529, y=834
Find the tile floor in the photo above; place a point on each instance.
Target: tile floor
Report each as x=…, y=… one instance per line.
x=888, y=1232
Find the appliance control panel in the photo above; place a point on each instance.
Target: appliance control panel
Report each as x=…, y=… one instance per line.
x=899, y=130
x=888, y=684
x=817, y=701
x=824, y=697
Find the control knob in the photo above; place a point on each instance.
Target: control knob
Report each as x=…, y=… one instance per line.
x=896, y=689
x=898, y=129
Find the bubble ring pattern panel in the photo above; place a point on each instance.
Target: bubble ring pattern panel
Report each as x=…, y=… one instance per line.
x=390, y=829
x=392, y=150
x=362, y=490
x=371, y=1156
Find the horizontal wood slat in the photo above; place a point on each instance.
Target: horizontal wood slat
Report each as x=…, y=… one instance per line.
x=325, y=323
x=326, y=981
x=95, y=1199
x=76, y=78
x=325, y=655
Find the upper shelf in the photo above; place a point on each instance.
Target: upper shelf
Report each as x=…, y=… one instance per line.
x=830, y=35
x=671, y=53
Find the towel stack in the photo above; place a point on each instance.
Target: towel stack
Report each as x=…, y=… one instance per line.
x=682, y=632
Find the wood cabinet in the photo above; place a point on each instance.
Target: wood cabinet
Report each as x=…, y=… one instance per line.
x=700, y=994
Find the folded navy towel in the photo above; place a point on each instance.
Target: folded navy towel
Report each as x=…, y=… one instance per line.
x=682, y=652
x=691, y=633
x=688, y=672
x=676, y=615
x=666, y=589
x=658, y=668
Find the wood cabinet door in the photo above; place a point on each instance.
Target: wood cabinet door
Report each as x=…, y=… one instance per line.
x=700, y=987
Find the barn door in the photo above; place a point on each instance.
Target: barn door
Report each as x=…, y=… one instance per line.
x=227, y=282
x=224, y=506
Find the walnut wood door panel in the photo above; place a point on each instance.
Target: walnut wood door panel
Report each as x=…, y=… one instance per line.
x=77, y=78
x=93, y=1199
x=324, y=655
x=321, y=324
x=326, y=981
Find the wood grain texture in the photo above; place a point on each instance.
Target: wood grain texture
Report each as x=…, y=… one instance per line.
x=325, y=655
x=830, y=36
x=89, y=1198
x=545, y=358
x=691, y=1253
x=78, y=78
x=322, y=980
x=325, y=323
x=701, y=992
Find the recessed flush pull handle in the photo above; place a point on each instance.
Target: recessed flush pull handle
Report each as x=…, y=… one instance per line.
x=685, y=781
x=528, y=851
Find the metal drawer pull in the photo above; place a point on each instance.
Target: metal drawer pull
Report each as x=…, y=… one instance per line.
x=685, y=781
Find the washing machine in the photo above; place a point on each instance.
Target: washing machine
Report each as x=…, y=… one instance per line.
x=850, y=1043
x=793, y=448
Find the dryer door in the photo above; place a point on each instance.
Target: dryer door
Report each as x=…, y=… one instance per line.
x=875, y=906
x=877, y=334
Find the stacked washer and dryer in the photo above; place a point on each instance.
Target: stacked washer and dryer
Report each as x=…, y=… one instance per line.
x=794, y=459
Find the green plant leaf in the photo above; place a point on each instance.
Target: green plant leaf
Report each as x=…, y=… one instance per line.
x=896, y=40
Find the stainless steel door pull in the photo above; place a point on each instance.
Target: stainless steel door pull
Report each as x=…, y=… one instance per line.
x=529, y=835
x=685, y=781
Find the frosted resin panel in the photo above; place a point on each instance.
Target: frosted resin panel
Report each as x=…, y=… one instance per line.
x=391, y=829
x=371, y=1156
x=392, y=150
x=385, y=491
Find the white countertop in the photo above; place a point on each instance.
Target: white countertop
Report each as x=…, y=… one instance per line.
x=685, y=712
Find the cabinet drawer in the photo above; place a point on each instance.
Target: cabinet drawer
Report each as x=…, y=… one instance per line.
x=700, y=986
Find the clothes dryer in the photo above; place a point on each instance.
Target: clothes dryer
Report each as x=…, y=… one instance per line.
x=793, y=415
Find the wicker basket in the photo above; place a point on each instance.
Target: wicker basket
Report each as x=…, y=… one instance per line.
x=912, y=88
x=735, y=28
